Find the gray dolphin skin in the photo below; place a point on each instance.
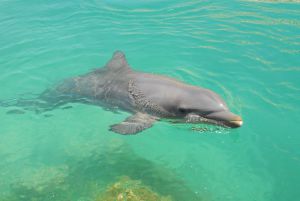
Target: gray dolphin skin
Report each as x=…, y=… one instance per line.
x=148, y=97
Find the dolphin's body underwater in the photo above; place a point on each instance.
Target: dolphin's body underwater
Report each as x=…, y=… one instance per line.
x=148, y=97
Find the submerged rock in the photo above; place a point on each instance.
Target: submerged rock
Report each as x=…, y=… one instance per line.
x=130, y=190
x=95, y=172
x=44, y=177
x=40, y=184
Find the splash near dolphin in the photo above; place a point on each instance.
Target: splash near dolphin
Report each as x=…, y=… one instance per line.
x=147, y=97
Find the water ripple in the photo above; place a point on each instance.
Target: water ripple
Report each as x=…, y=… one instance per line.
x=246, y=51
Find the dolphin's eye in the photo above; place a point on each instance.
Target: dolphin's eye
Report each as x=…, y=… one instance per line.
x=182, y=110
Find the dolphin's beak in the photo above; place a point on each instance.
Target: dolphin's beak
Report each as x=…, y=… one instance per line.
x=227, y=118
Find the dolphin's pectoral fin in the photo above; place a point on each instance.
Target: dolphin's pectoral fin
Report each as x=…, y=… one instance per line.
x=134, y=124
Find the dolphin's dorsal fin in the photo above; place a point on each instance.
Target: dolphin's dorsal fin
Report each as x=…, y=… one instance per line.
x=117, y=62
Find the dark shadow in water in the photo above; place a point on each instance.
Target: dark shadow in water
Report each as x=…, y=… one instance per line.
x=15, y=111
x=85, y=178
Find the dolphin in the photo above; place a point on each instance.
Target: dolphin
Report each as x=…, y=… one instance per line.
x=148, y=97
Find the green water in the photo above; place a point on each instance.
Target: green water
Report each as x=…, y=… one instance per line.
x=247, y=51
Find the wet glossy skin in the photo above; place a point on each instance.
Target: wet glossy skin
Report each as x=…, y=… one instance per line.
x=117, y=85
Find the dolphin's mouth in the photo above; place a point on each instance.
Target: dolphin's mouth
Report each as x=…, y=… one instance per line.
x=226, y=118
x=236, y=123
x=223, y=118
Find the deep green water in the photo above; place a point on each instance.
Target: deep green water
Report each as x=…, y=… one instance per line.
x=247, y=51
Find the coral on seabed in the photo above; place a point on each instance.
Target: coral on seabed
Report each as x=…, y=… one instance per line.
x=40, y=183
x=130, y=190
x=91, y=176
x=41, y=178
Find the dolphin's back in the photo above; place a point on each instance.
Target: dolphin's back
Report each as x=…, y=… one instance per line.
x=102, y=86
x=107, y=86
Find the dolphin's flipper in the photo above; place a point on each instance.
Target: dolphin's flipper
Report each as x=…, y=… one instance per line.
x=134, y=124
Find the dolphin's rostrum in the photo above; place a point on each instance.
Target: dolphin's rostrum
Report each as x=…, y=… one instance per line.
x=148, y=97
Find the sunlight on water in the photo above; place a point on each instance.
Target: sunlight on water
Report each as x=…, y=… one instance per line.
x=246, y=51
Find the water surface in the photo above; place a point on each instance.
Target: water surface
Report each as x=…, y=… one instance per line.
x=247, y=51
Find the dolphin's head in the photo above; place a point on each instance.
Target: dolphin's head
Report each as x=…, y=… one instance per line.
x=202, y=105
x=184, y=102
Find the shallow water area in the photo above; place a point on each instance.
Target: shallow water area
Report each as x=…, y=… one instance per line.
x=246, y=51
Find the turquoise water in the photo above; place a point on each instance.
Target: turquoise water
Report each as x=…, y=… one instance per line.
x=247, y=51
